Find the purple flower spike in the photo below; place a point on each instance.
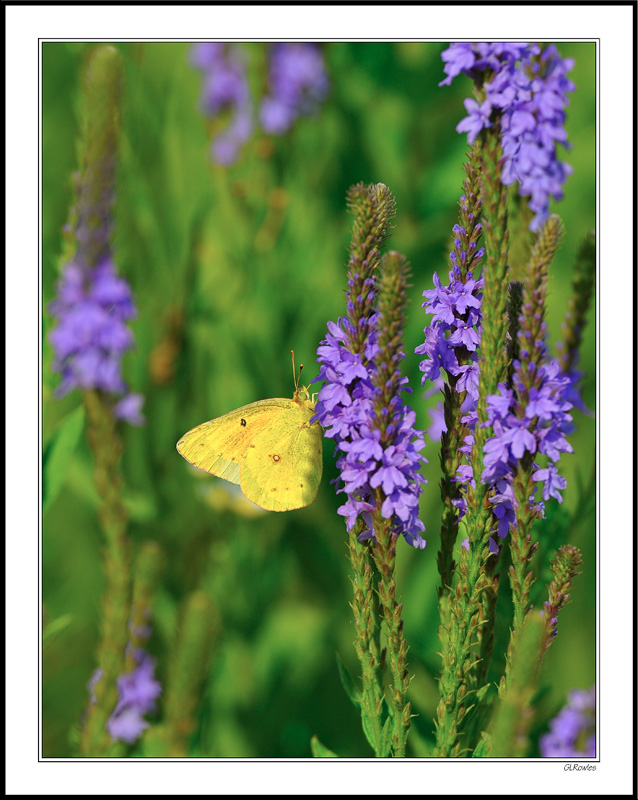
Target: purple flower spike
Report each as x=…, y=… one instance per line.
x=93, y=305
x=360, y=404
x=345, y=409
x=92, y=308
x=528, y=88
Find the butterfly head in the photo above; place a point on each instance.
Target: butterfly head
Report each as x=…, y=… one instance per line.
x=302, y=394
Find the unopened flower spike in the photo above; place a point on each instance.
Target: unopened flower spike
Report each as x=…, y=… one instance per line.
x=583, y=285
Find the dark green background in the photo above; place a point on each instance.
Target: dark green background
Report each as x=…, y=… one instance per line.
x=233, y=268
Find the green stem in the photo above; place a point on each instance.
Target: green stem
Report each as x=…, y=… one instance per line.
x=384, y=553
x=514, y=713
x=116, y=603
x=368, y=640
x=192, y=654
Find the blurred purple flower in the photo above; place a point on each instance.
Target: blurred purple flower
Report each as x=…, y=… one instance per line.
x=572, y=732
x=137, y=692
x=297, y=83
x=225, y=88
x=93, y=304
x=437, y=426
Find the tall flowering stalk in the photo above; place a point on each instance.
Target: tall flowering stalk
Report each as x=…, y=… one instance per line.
x=466, y=609
x=514, y=123
x=537, y=414
x=361, y=408
x=92, y=307
x=451, y=345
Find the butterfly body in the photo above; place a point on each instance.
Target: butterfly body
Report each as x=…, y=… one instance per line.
x=269, y=448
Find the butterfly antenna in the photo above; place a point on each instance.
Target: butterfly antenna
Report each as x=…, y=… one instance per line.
x=294, y=374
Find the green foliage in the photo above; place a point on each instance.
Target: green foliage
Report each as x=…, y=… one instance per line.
x=319, y=750
x=347, y=681
x=482, y=749
x=57, y=455
x=233, y=268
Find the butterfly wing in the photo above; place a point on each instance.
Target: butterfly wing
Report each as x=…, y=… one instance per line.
x=283, y=463
x=220, y=445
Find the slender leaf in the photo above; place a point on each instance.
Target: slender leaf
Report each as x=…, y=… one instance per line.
x=347, y=681
x=58, y=453
x=319, y=750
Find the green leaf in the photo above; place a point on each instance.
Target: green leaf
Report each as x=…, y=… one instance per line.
x=55, y=627
x=347, y=681
x=483, y=747
x=58, y=453
x=368, y=730
x=386, y=739
x=319, y=750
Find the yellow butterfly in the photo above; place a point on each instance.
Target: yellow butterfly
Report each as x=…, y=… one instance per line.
x=269, y=448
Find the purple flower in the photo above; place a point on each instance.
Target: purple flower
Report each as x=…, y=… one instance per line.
x=455, y=327
x=360, y=404
x=475, y=57
x=138, y=690
x=524, y=423
x=453, y=336
x=225, y=89
x=345, y=408
x=437, y=425
x=537, y=426
x=528, y=87
x=479, y=118
x=93, y=307
x=572, y=733
x=553, y=483
x=129, y=409
x=297, y=83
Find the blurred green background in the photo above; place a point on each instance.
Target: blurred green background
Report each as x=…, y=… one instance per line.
x=232, y=268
